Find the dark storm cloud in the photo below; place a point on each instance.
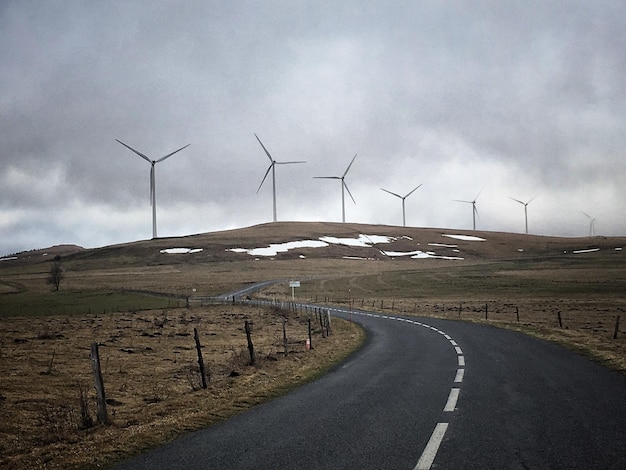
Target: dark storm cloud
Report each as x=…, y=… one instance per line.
x=452, y=94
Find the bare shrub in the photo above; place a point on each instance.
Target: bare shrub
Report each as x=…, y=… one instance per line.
x=56, y=422
x=86, y=420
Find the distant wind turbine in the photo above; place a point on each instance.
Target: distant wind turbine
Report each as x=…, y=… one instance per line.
x=525, y=204
x=153, y=180
x=592, y=224
x=403, y=198
x=474, y=211
x=344, y=186
x=272, y=168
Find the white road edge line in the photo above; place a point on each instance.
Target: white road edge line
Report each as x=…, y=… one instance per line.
x=428, y=456
x=452, y=399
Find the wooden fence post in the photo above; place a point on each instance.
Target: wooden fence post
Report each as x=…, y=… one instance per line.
x=517, y=313
x=558, y=314
x=310, y=338
x=250, y=345
x=200, y=360
x=486, y=312
x=616, y=328
x=328, y=330
x=285, y=335
x=103, y=418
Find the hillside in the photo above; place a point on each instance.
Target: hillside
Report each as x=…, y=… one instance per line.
x=317, y=240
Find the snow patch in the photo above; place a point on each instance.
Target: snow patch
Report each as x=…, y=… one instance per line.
x=590, y=250
x=179, y=251
x=8, y=259
x=467, y=238
x=418, y=254
x=364, y=241
x=274, y=248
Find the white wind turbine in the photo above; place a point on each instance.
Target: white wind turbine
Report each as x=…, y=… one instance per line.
x=403, y=199
x=525, y=204
x=153, y=180
x=592, y=224
x=344, y=187
x=272, y=167
x=474, y=211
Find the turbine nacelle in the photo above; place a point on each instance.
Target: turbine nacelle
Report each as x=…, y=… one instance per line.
x=271, y=168
x=344, y=186
x=152, y=179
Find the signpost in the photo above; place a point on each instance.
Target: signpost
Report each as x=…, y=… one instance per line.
x=293, y=285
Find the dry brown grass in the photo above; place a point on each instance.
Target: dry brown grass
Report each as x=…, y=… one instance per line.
x=151, y=377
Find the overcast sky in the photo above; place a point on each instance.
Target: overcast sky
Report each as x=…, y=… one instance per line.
x=522, y=99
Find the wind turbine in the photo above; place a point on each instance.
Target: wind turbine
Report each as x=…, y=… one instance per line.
x=153, y=180
x=525, y=204
x=474, y=211
x=271, y=167
x=592, y=224
x=403, y=198
x=344, y=186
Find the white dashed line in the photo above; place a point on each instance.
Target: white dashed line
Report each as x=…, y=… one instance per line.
x=452, y=399
x=430, y=452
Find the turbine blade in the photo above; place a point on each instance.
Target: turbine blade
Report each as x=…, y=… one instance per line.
x=394, y=194
x=481, y=191
x=266, y=173
x=327, y=177
x=588, y=216
x=170, y=154
x=348, y=169
x=535, y=197
x=517, y=200
x=288, y=163
x=416, y=188
x=347, y=189
x=266, y=152
x=135, y=151
x=460, y=200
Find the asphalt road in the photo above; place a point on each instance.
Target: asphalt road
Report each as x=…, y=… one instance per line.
x=426, y=393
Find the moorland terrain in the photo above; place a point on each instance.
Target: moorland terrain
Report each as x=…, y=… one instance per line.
x=141, y=301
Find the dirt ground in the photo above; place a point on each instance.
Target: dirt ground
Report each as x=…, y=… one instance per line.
x=152, y=382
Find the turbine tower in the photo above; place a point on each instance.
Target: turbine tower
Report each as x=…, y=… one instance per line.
x=344, y=187
x=592, y=224
x=152, y=180
x=271, y=167
x=474, y=211
x=403, y=199
x=525, y=204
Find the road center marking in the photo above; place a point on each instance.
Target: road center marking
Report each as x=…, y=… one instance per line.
x=461, y=361
x=452, y=399
x=430, y=452
x=459, y=375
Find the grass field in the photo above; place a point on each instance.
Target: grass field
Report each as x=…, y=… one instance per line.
x=132, y=300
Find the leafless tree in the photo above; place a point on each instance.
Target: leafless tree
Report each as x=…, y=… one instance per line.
x=56, y=274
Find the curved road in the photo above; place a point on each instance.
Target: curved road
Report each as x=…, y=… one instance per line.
x=426, y=393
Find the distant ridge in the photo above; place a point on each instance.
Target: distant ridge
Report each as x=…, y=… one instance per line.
x=345, y=242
